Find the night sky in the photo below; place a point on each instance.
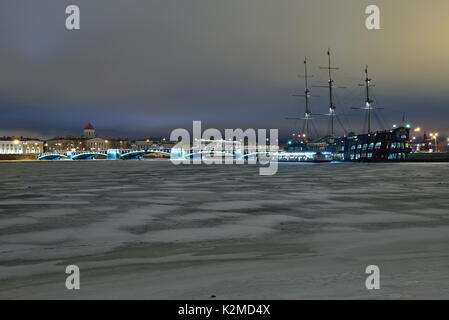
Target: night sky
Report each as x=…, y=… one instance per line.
x=141, y=68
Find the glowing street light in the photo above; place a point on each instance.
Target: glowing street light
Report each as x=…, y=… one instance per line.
x=418, y=129
x=435, y=136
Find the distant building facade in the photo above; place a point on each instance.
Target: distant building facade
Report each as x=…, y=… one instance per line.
x=18, y=146
x=89, y=141
x=64, y=144
x=97, y=144
x=89, y=131
x=152, y=143
x=109, y=143
x=74, y=144
x=143, y=144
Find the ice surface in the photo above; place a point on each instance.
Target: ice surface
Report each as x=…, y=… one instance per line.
x=149, y=229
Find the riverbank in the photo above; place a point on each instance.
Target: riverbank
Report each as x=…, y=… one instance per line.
x=18, y=157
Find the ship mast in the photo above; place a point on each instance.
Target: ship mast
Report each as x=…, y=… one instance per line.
x=307, y=112
x=368, y=102
x=332, y=107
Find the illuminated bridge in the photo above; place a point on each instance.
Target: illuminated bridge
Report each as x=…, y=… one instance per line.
x=178, y=154
x=111, y=154
x=116, y=154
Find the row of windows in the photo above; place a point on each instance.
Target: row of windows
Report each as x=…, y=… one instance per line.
x=392, y=156
x=364, y=147
x=378, y=146
x=9, y=146
x=14, y=149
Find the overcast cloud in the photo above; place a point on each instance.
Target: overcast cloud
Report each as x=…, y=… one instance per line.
x=142, y=67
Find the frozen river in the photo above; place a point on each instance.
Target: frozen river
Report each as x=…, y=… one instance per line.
x=151, y=230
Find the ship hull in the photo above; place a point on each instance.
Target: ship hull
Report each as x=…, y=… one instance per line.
x=382, y=146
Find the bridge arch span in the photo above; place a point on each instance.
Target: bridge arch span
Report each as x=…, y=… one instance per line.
x=52, y=156
x=88, y=156
x=140, y=153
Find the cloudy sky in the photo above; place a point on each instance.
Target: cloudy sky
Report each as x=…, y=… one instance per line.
x=143, y=67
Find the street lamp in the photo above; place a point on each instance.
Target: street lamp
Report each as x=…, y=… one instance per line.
x=435, y=136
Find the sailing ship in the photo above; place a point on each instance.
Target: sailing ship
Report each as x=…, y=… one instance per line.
x=370, y=146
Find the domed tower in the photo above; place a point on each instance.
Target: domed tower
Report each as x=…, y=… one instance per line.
x=89, y=131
